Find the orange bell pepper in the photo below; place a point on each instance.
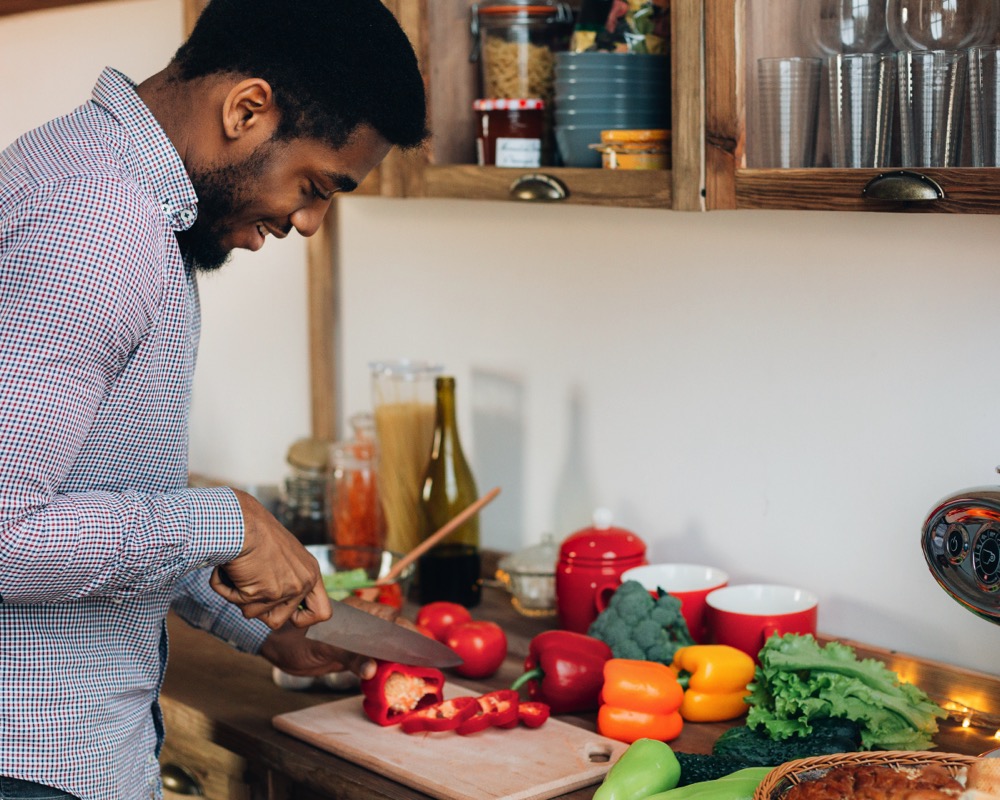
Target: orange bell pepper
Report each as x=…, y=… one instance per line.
x=639, y=700
x=715, y=677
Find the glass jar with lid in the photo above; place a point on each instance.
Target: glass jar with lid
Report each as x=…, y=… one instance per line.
x=304, y=496
x=515, y=43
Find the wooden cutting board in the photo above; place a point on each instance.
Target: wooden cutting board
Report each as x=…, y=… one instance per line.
x=512, y=764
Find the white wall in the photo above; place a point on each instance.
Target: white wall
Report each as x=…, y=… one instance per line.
x=783, y=394
x=251, y=389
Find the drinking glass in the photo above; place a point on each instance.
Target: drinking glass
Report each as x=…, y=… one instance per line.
x=984, y=105
x=788, y=100
x=862, y=94
x=941, y=24
x=845, y=26
x=931, y=87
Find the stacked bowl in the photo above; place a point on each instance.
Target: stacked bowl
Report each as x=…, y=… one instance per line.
x=596, y=91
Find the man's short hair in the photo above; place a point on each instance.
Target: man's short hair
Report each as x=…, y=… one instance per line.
x=333, y=64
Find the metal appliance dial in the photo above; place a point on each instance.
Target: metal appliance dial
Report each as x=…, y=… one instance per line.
x=961, y=544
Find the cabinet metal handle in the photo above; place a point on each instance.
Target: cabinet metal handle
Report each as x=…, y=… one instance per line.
x=539, y=188
x=180, y=780
x=903, y=186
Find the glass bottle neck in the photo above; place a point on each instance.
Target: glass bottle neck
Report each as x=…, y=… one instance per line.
x=446, y=425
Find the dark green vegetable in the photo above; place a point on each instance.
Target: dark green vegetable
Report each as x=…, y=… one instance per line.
x=698, y=767
x=648, y=766
x=828, y=736
x=636, y=626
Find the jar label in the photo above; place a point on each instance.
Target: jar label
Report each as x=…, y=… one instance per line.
x=518, y=152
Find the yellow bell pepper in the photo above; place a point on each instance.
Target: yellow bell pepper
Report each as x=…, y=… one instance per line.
x=715, y=677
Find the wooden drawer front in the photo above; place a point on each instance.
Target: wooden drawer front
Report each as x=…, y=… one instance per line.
x=190, y=755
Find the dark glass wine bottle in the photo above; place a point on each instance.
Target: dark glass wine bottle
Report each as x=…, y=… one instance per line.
x=449, y=570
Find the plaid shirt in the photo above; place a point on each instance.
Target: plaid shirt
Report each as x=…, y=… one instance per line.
x=99, y=325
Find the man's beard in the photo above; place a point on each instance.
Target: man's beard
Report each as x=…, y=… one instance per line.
x=222, y=193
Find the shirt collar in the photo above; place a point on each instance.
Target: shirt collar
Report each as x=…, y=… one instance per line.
x=156, y=160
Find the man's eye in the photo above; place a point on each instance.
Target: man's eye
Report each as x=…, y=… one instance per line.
x=318, y=193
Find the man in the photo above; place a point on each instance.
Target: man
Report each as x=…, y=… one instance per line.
x=269, y=109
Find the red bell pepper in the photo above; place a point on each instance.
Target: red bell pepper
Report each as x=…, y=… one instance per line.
x=395, y=690
x=532, y=714
x=444, y=716
x=565, y=670
x=497, y=709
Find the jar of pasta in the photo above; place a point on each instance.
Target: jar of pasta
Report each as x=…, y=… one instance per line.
x=515, y=44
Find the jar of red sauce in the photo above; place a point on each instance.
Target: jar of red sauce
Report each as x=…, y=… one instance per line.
x=510, y=132
x=588, y=560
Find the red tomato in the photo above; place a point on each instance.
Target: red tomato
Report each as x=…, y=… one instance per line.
x=437, y=617
x=426, y=631
x=481, y=644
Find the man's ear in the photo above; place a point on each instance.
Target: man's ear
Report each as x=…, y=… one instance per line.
x=248, y=108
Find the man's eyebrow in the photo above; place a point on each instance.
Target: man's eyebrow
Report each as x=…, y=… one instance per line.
x=344, y=183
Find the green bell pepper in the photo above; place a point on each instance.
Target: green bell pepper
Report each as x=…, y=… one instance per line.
x=739, y=785
x=648, y=766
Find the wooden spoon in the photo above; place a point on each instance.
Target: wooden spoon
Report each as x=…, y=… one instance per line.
x=437, y=536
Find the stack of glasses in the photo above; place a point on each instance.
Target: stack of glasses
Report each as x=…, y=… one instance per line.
x=910, y=69
x=597, y=91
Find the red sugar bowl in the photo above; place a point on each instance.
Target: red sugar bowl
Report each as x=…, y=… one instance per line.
x=589, y=559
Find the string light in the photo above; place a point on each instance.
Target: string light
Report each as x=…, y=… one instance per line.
x=969, y=718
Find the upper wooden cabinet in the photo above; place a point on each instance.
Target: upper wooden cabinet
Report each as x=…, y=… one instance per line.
x=715, y=44
x=441, y=36
x=737, y=32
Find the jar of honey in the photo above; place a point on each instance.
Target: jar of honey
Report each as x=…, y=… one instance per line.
x=634, y=149
x=510, y=132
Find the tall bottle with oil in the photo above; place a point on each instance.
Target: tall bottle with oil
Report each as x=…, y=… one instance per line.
x=451, y=569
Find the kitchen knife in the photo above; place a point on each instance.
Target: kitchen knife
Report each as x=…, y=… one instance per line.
x=360, y=632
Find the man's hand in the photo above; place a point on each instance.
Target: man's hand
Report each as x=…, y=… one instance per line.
x=290, y=650
x=274, y=578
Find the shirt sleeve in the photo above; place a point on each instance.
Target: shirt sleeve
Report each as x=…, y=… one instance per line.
x=79, y=289
x=202, y=607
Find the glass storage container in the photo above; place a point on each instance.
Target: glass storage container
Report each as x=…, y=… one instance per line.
x=515, y=44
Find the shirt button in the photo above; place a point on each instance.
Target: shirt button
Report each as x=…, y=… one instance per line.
x=166, y=208
x=187, y=215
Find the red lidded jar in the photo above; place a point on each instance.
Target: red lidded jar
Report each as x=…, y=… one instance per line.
x=588, y=560
x=509, y=132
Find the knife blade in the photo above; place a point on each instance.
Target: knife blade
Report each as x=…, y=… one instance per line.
x=359, y=632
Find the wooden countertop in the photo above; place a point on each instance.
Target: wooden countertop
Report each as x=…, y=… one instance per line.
x=229, y=699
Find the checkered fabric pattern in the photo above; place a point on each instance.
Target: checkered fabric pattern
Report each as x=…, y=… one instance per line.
x=99, y=325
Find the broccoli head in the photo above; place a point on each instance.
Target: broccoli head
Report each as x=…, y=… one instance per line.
x=637, y=626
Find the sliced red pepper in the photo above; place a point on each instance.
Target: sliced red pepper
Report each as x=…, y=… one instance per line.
x=444, y=716
x=565, y=670
x=495, y=710
x=395, y=690
x=532, y=714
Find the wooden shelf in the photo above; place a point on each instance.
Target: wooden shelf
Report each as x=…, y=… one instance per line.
x=630, y=188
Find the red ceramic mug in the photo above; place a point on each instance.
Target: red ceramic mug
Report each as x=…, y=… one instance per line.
x=745, y=616
x=689, y=583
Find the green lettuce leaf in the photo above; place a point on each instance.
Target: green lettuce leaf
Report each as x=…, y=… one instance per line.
x=799, y=680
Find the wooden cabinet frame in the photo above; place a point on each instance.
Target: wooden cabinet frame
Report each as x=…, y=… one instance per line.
x=731, y=184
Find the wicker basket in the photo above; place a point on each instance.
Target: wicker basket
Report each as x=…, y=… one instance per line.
x=781, y=779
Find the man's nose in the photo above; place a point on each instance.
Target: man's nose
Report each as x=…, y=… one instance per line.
x=308, y=219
